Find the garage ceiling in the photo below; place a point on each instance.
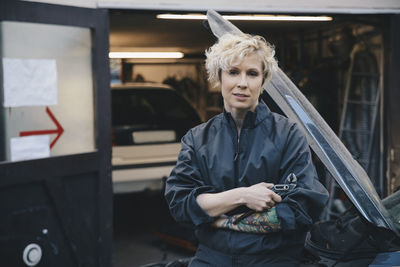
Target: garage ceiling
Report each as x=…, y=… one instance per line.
x=142, y=31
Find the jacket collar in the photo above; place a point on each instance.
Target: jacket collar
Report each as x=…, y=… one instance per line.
x=252, y=119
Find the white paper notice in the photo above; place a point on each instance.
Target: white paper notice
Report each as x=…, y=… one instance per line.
x=29, y=82
x=30, y=147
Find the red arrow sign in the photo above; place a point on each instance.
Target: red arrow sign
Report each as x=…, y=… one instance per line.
x=59, y=131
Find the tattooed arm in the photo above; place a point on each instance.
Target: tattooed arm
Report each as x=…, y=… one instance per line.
x=260, y=222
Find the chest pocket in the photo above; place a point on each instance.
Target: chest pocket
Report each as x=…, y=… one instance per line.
x=259, y=160
x=217, y=162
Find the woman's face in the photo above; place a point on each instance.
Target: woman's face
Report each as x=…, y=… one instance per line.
x=241, y=84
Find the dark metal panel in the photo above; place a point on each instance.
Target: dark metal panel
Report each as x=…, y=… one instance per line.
x=144, y=165
x=34, y=170
x=392, y=107
x=20, y=226
x=73, y=193
x=76, y=220
x=57, y=214
x=103, y=123
x=15, y=10
x=2, y=115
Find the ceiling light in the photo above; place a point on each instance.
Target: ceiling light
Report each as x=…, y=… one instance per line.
x=145, y=55
x=248, y=17
x=181, y=16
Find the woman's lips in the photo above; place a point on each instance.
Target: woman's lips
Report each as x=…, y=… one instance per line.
x=240, y=96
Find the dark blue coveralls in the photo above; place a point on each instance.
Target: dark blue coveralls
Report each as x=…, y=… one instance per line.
x=214, y=159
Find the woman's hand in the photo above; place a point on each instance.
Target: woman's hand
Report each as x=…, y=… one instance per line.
x=259, y=197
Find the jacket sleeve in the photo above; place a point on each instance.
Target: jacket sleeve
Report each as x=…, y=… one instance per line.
x=301, y=207
x=184, y=185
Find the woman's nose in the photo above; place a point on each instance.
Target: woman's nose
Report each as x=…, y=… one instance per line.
x=242, y=81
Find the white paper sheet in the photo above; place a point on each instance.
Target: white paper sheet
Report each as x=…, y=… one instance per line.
x=30, y=147
x=29, y=82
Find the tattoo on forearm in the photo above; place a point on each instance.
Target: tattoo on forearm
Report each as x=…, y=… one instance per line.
x=260, y=222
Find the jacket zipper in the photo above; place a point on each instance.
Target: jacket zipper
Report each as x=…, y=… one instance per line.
x=236, y=156
x=234, y=129
x=237, y=150
x=236, y=160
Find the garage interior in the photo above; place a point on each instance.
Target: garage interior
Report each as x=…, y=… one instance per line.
x=338, y=65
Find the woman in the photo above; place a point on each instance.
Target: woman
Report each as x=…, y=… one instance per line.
x=228, y=165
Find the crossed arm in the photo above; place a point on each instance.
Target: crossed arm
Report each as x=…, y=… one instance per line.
x=257, y=197
x=260, y=222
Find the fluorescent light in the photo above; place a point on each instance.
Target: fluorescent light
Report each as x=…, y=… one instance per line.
x=248, y=17
x=181, y=16
x=277, y=18
x=145, y=55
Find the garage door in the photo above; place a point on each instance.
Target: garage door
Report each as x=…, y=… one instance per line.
x=55, y=136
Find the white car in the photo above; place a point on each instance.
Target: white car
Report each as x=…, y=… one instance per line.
x=148, y=122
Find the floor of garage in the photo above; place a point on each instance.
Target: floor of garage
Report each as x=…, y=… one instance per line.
x=144, y=232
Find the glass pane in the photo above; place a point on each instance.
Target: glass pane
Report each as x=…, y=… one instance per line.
x=143, y=109
x=47, y=91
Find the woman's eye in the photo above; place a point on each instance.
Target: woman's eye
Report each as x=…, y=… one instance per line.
x=233, y=72
x=253, y=73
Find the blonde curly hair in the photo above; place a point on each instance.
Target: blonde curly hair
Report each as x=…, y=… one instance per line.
x=231, y=47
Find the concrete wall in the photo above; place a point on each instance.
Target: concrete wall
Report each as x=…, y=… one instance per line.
x=290, y=6
x=78, y=3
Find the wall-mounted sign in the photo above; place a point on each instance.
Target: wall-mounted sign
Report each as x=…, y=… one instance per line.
x=29, y=82
x=30, y=147
x=47, y=90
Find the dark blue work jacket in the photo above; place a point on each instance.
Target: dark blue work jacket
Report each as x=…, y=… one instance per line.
x=214, y=158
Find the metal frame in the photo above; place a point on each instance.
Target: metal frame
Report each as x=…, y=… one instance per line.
x=391, y=105
x=96, y=163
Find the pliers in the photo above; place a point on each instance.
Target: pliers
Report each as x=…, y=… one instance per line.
x=280, y=189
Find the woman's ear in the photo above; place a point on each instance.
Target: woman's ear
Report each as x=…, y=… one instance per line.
x=265, y=77
x=262, y=85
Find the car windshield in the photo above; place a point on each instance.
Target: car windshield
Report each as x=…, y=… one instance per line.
x=152, y=109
